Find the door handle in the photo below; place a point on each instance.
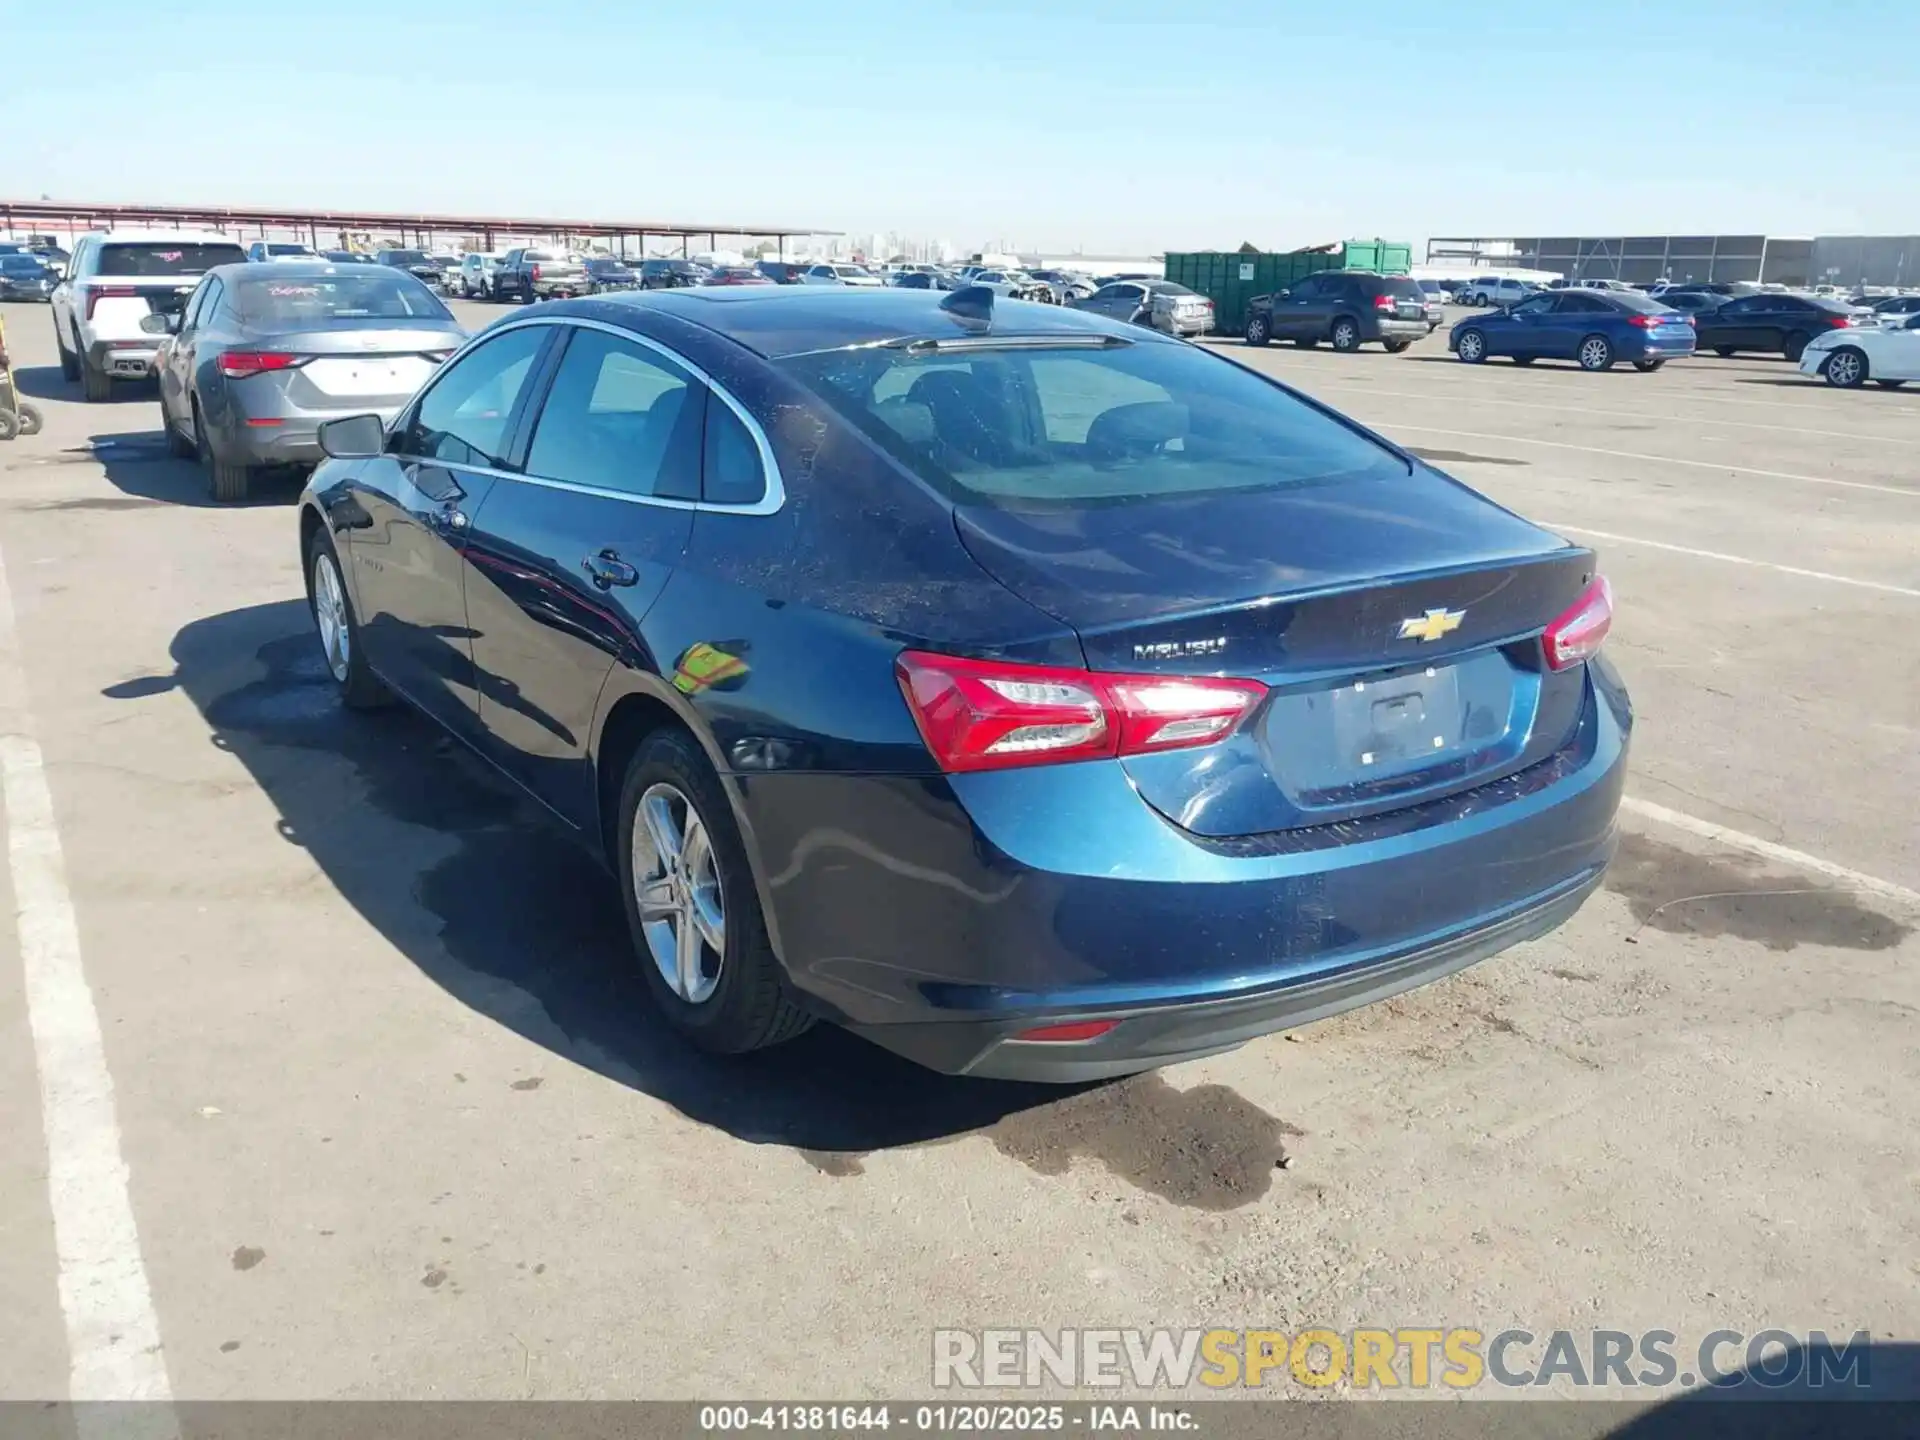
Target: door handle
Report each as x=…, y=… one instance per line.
x=607, y=569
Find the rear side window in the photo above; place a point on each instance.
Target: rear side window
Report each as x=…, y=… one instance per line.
x=1077, y=427
x=620, y=417
x=1401, y=287
x=463, y=418
x=732, y=474
x=141, y=259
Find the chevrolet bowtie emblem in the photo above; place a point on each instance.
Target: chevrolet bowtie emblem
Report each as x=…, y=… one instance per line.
x=1432, y=625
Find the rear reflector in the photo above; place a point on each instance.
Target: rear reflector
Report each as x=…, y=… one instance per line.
x=993, y=714
x=264, y=423
x=237, y=364
x=1580, y=631
x=1071, y=1031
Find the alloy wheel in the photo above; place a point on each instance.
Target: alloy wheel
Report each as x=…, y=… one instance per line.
x=1472, y=347
x=1594, y=353
x=676, y=882
x=1844, y=369
x=1345, y=336
x=330, y=615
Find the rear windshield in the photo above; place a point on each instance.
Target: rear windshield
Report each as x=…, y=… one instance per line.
x=536, y=255
x=1634, y=300
x=1072, y=427
x=1167, y=287
x=1402, y=286
x=288, y=250
x=147, y=258
x=303, y=304
x=406, y=257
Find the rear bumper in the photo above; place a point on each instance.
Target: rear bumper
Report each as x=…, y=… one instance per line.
x=1382, y=329
x=123, y=359
x=292, y=440
x=941, y=916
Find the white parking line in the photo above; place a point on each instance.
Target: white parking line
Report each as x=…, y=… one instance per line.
x=1725, y=469
x=113, y=1333
x=1734, y=559
x=1688, y=420
x=1754, y=845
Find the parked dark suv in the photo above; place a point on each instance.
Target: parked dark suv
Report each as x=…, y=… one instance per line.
x=1347, y=308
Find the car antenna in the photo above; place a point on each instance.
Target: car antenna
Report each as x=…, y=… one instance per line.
x=972, y=306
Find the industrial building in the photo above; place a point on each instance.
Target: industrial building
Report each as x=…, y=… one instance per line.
x=1845, y=260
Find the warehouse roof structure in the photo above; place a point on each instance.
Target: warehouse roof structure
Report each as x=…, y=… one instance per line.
x=88, y=215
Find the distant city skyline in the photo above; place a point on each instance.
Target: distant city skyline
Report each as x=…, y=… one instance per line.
x=1125, y=127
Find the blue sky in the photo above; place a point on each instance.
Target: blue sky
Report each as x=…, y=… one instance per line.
x=1123, y=126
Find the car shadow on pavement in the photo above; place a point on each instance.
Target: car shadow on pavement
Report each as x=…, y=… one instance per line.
x=483, y=891
x=45, y=382
x=137, y=463
x=1833, y=1391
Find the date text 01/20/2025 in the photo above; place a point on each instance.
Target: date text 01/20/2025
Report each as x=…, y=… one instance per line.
x=946, y=1419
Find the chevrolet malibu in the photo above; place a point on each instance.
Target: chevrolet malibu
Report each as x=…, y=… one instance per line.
x=1028, y=692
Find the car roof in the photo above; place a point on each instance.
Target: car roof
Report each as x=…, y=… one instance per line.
x=284, y=270
x=774, y=321
x=156, y=237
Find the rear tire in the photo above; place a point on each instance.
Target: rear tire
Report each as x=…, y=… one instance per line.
x=95, y=388
x=1647, y=367
x=69, y=361
x=1725, y=352
x=749, y=1004
x=1796, y=345
x=226, y=483
x=1259, y=330
x=1346, y=335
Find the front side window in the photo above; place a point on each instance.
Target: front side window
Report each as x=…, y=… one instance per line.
x=1074, y=427
x=464, y=418
x=620, y=417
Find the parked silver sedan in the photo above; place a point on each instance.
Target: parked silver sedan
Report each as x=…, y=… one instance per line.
x=1159, y=304
x=261, y=354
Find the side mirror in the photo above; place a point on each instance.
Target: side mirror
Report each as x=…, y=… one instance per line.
x=353, y=437
x=1281, y=294
x=160, y=324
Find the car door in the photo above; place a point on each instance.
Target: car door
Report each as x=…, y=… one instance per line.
x=1566, y=319
x=1294, y=311
x=568, y=558
x=1896, y=349
x=1521, y=331
x=408, y=555
x=174, y=373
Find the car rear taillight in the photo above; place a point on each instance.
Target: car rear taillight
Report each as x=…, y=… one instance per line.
x=1579, y=632
x=535, y=272
x=237, y=364
x=108, y=292
x=993, y=714
x=1646, y=322
x=1839, y=322
x=1383, y=302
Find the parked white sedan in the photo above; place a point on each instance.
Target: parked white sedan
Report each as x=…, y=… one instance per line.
x=1887, y=354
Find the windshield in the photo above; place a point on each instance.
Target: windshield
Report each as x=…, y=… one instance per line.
x=288, y=250
x=160, y=257
x=1076, y=426
x=849, y=270
x=312, y=304
x=406, y=257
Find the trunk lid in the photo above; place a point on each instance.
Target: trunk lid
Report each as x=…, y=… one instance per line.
x=374, y=361
x=1397, y=622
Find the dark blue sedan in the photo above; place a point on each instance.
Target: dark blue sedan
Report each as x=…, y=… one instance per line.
x=1593, y=327
x=1034, y=694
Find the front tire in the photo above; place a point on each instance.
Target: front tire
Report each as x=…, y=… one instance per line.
x=1596, y=353
x=339, y=628
x=1394, y=347
x=1259, y=330
x=1346, y=335
x=1846, y=368
x=692, y=909
x=1725, y=352
x=1471, y=347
